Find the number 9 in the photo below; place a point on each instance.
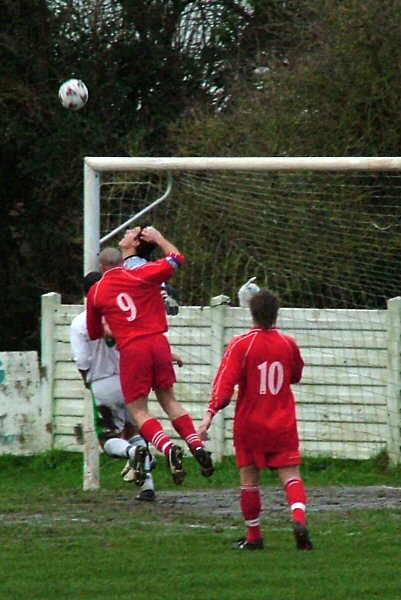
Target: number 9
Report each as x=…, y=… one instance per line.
x=126, y=304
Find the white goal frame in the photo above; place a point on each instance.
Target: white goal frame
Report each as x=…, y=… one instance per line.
x=95, y=166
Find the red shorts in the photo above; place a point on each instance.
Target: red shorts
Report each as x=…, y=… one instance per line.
x=285, y=453
x=146, y=364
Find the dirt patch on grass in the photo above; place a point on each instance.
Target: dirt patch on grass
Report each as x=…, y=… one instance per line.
x=194, y=506
x=226, y=502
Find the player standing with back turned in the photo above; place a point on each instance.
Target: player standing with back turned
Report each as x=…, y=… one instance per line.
x=263, y=362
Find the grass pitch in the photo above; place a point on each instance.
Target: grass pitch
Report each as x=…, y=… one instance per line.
x=58, y=542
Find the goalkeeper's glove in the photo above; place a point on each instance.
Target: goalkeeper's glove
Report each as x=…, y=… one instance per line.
x=246, y=292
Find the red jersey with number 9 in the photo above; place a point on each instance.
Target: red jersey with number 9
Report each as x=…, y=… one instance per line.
x=130, y=301
x=263, y=363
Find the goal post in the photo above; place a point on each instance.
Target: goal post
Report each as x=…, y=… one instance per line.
x=322, y=232
x=91, y=218
x=91, y=471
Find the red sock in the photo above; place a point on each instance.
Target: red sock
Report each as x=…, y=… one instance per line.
x=153, y=432
x=185, y=428
x=251, y=507
x=296, y=497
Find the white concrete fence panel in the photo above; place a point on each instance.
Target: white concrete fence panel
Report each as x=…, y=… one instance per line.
x=348, y=402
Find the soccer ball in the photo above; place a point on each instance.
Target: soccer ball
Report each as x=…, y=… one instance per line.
x=73, y=94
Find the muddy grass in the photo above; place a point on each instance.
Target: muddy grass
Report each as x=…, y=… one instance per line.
x=226, y=502
x=197, y=507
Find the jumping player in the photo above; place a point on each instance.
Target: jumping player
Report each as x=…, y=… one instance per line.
x=98, y=363
x=132, y=305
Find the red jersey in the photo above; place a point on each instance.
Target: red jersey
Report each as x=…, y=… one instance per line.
x=130, y=300
x=263, y=363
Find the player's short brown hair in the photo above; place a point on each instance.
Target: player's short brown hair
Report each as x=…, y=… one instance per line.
x=264, y=306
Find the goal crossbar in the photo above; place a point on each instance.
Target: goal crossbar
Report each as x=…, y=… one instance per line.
x=255, y=163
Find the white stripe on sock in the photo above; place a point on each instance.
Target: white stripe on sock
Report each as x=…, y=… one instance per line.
x=166, y=445
x=157, y=438
x=252, y=522
x=250, y=488
x=292, y=481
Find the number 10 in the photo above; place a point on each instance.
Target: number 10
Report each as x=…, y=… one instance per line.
x=271, y=377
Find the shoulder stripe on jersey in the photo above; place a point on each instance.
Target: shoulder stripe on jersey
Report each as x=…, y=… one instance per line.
x=233, y=344
x=256, y=332
x=97, y=284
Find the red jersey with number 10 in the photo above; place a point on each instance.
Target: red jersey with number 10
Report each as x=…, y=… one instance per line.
x=130, y=301
x=263, y=363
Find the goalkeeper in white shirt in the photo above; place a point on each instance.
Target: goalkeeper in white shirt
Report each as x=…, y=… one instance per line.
x=98, y=363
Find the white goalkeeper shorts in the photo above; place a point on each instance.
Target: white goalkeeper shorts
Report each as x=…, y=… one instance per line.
x=107, y=392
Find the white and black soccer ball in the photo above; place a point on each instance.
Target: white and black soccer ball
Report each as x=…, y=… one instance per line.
x=246, y=292
x=73, y=94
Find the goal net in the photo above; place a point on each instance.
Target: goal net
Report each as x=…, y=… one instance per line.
x=323, y=233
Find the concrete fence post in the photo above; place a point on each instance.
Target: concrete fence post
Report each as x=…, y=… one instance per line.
x=49, y=303
x=394, y=379
x=217, y=321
